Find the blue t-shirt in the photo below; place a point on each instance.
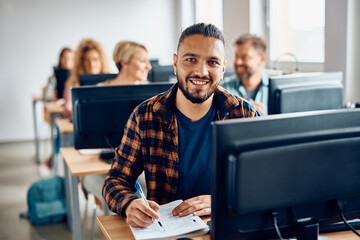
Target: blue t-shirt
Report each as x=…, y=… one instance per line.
x=194, y=154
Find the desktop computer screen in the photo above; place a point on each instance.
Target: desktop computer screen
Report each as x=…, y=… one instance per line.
x=161, y=73
x=93, y=79
x=286, y=174
x=305, y=92
x=61, y=75
x=100, y=113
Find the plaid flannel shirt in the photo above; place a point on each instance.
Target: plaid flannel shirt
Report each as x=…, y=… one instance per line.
x=150, y=144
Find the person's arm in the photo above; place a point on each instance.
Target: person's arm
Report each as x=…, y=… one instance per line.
x=248, y=109
x=259, y=107
x=49, y=93
x=119, y=186
x=138, y=214
x=198, y=206
x=68, y=102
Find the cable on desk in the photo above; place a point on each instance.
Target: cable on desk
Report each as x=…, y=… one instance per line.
x=109, y=144
x=276, y=225
x=341, y=206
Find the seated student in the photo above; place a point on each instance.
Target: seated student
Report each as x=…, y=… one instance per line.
x=169, y=136
x=90, y=58
x=66, y=61
x=250, y=82
x=132, y=61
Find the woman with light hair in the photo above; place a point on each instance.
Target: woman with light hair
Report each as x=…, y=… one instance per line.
x=90, y=58
x=132, y=60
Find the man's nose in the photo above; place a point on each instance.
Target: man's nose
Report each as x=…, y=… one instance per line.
x=202, y=70
x=238, y=61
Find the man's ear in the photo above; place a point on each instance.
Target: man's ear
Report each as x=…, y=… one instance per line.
x=223, y=70
x=175, y=58
x=263, y=58
x=224, y=67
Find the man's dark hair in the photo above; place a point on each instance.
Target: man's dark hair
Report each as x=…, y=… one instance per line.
x=207, y=30
x=258, y=42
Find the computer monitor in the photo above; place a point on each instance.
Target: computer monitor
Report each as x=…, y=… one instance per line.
x=292, y=169
x=305, y=92
x=161, y=73
x=154, y=62
x=93, y=79
x=101, y=112
x=61, y=75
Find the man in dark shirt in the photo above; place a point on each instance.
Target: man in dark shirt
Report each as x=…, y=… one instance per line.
x=169, y=136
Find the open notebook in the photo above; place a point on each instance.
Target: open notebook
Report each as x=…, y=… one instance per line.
x=169, y=226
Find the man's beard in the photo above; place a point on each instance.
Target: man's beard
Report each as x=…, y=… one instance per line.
x=245, y=75
x=195, y=98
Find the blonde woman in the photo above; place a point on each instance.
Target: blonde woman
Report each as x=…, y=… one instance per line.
x=132, y=60
x=90, y=58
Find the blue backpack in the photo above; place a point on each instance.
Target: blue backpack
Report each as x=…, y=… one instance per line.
x=46, y=201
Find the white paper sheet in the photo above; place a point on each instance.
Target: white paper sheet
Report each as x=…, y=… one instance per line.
x=169, y=226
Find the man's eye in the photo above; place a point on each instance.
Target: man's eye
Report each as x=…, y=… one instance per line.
x=246, y=58
x=213, y=62
x=190, y=59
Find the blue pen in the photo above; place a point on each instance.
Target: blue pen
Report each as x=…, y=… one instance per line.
x=142, y=195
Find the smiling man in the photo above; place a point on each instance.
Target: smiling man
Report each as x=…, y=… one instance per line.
x=169, y=135
x=250, y=82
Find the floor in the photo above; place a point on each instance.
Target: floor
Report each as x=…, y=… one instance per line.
x=18, y=170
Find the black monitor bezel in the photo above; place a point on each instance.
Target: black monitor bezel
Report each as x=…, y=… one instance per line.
x=305, y=84
x=339, y=124
x=61, y=76
x=93, y=79
x=106, y=94
x=161, y=73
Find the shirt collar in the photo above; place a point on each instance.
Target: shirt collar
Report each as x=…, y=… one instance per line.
x=264, y=79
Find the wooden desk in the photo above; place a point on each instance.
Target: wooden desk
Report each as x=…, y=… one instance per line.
x=115, y=228
x=64, y=125
x=66, y=129
x=76, y=165
x=36, y=99
x=52, y=108
x=344, y=235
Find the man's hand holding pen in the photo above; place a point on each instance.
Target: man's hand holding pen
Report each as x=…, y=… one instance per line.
x=141, y=212
x=138, y=214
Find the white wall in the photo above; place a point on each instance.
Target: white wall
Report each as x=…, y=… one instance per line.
x=236, y=21
x=352, y=90
x=32, y=32
x=342, y=35
x=336, y=36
